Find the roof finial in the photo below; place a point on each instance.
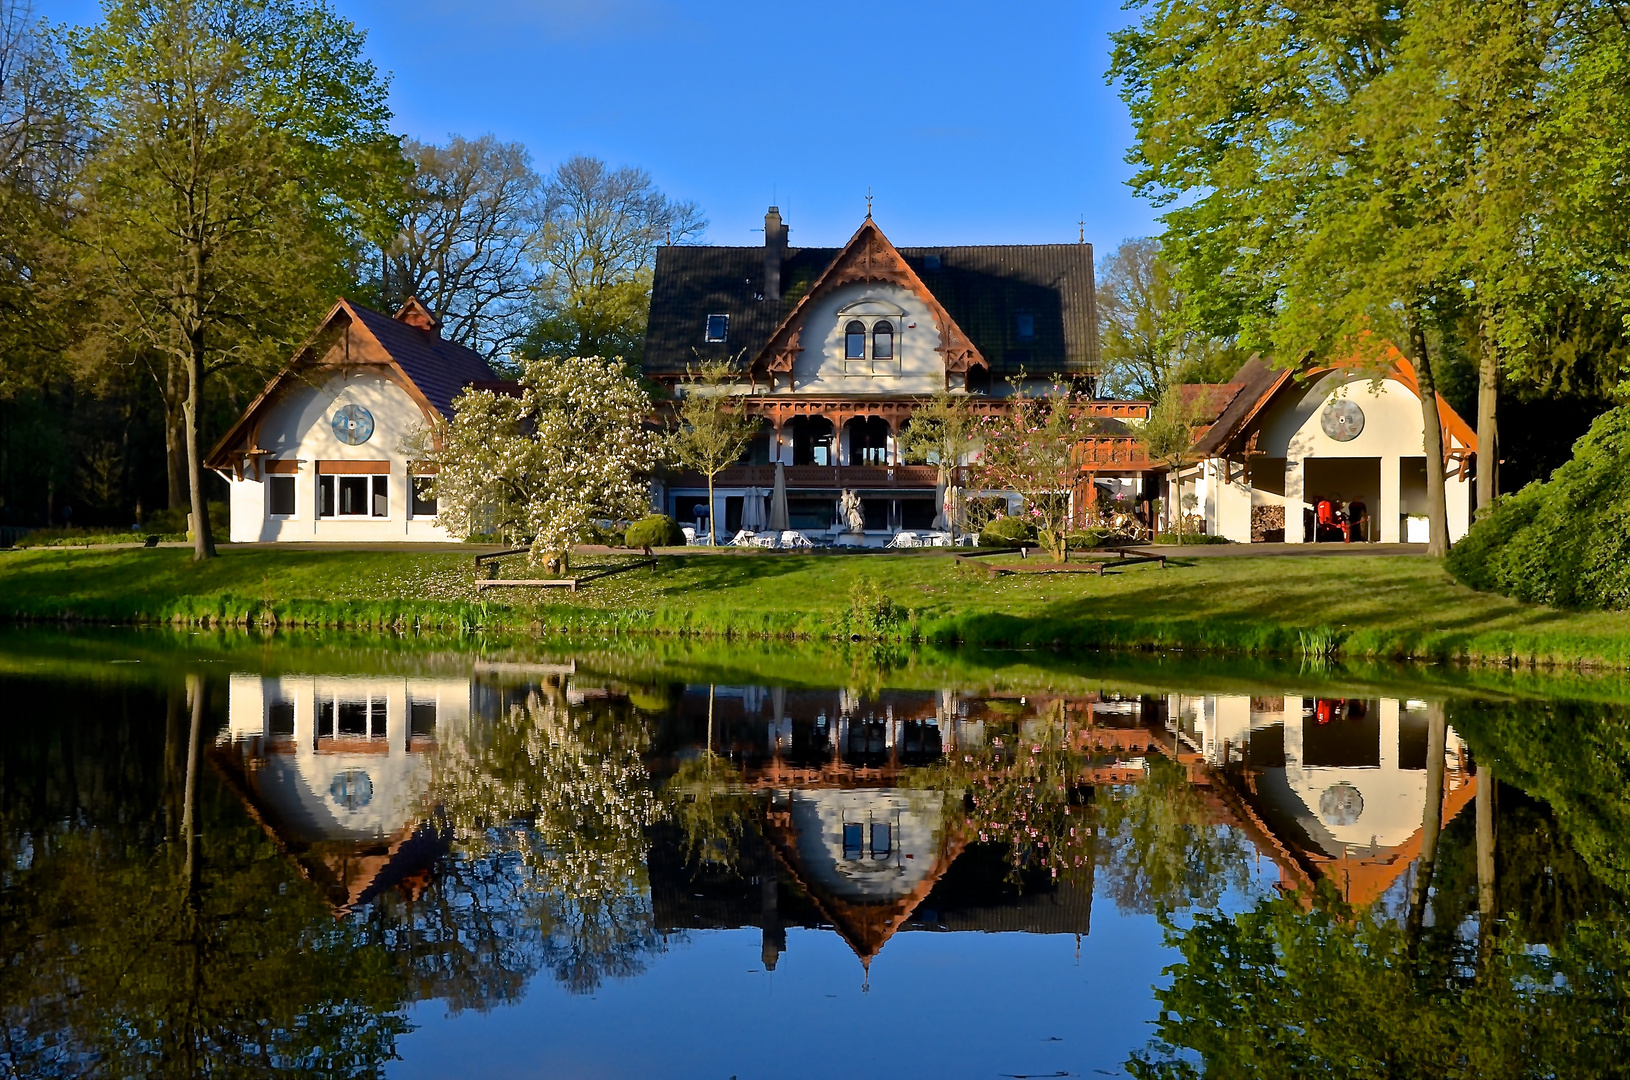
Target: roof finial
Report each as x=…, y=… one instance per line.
x=1083, y=224
x=868, y=202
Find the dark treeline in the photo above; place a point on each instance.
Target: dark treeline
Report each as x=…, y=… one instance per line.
x=188, y=185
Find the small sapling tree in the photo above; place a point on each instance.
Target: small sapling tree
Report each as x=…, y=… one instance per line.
x=1034, y=448
x=942, y=431
x=713, y=427
x=1168, y=435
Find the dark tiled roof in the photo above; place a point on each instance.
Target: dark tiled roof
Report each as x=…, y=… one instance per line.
x=984, y=289
x=439, y=368
x=1255, y=379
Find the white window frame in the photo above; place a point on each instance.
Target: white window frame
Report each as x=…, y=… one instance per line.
x=869, y=312
x=375, y=482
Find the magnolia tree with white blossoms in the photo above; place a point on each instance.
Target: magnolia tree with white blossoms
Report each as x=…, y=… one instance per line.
x=538, y=468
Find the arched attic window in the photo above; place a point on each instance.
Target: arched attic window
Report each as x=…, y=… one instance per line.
x=882, y=347
x=854, y=348
x=854, y=341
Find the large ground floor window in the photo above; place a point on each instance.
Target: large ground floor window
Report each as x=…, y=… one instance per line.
x=353, y=496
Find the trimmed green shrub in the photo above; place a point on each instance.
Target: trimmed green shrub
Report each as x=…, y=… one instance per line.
x=1563, y=542
x=654, y=530
x=1007, y=532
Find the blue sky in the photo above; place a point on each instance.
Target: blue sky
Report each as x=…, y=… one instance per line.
x=971, y=122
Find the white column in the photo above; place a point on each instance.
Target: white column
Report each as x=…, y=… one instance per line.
x=1390, y=496
x=1389, y=735
x=1294, y=507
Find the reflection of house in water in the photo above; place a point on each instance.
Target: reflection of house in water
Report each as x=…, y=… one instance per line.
x=859, y=847
x=1335, y=787
x=335, y=768
x=847, y=828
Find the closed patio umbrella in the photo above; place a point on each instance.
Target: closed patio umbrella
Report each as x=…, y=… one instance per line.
x=941, y=522
x=752, y=510
x=778, y=502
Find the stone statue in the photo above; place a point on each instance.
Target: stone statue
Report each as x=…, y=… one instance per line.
x=854, y=517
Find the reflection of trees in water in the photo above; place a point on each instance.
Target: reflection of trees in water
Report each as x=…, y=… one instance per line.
x=547, y=806
x=1021, y=790
x=1285, y=990
x=1161, y=849
x=118, y=962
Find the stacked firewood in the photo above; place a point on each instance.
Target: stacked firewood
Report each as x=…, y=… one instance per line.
x=1267, y=524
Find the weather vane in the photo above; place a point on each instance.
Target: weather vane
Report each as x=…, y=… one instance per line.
x=868, y=200
x=1083, y=224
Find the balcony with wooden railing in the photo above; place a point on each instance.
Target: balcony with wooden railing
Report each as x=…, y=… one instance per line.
x=817, y=476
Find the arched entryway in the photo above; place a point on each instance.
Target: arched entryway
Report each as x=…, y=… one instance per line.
x=868, y=438
x=812, y=441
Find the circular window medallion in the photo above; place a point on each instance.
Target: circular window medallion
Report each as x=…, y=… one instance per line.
x=1341, y=804
x=354, y=425
x=1342, y=420
x=352, y=789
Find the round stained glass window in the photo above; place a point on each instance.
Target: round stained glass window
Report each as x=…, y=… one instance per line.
x=351, y=789
x=353, y=425
x=1341, y=804
x=1342, y=420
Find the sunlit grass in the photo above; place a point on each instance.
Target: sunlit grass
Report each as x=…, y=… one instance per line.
x=1404, y=606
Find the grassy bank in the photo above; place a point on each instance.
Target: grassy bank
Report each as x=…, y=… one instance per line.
x=1354, y=607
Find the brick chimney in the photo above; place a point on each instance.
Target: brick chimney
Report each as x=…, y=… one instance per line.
x=775, y=250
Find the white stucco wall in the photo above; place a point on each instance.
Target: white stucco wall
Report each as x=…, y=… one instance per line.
x=916, y=821
x=819, y=369
x=295, y=776
x=298, y=427
x=1291, y=428
x=1392, y=797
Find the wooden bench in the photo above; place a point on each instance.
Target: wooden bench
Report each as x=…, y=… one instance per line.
x=1126, y=557
x=572, y=583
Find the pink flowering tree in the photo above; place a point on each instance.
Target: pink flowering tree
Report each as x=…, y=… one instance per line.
x=1034, y=448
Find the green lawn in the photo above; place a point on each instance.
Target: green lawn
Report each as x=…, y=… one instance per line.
x=1373, y=606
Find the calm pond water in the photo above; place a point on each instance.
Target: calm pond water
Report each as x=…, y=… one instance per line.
x=235, y=856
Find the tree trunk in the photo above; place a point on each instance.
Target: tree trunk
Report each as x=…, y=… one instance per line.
x=1437, y=505
x=712, y=537
x=1488, y=434
x=203, y=542
x=189, y=798
x=1437, y=738
x=175, y=440
x=1487, y=901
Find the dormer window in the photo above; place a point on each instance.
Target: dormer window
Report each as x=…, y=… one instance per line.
x=718, y=327
x=1027, y=326
x=869, y=329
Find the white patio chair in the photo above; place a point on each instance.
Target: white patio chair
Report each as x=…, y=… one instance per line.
x=792, y=538
x=904, y=540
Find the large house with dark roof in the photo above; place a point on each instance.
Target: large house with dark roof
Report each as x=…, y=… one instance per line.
x=319, y=454
x=838, y=347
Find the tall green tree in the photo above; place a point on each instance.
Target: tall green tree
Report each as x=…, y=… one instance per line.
x=1144, y=343
x=713, y=428
x=597, y=252
x=465, y=240
x=1424, y=170
x=240, y=147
